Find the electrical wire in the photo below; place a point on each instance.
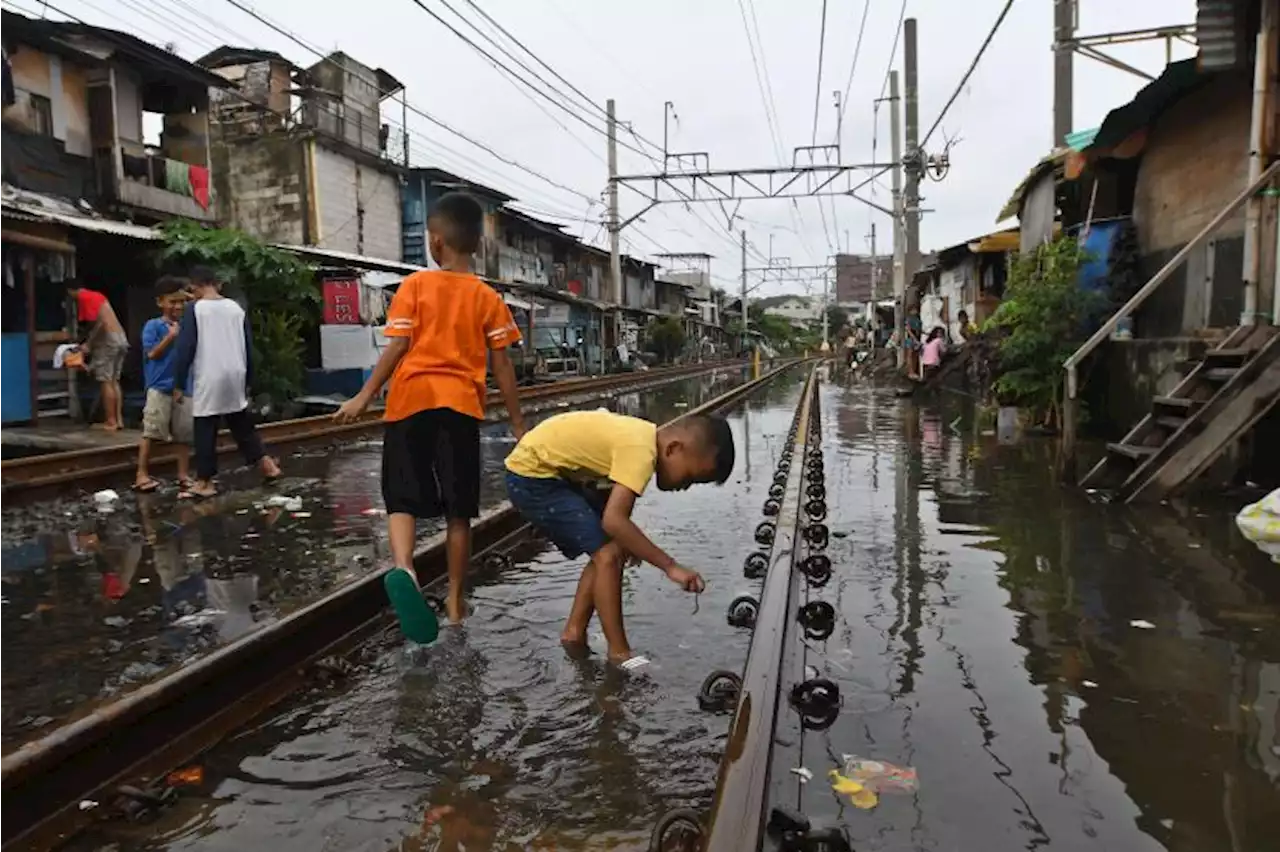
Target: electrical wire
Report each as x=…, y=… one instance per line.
x=253, y=13
x=853, y=65
x=817, y=89
x=968, y=73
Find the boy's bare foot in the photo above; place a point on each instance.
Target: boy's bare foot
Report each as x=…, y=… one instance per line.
x=270, y=468
x=455, y=609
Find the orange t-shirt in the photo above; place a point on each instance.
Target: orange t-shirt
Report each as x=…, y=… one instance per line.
x=452, y=320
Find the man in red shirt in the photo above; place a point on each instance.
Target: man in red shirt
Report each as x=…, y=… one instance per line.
x=106, y=345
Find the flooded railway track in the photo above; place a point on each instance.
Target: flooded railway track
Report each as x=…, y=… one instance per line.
x=791, y=567
x=157, y=727
x=91, y=467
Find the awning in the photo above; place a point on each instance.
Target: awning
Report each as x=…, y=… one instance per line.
x=347, y=258
x=512, y=301
x=49, y=209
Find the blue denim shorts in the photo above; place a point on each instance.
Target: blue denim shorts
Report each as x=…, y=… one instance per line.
x=565, y=512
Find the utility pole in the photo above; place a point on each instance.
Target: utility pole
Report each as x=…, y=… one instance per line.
x=826, y=280
x=899, y=249
x=914, y=155
x=1064, y=29
x=615, y=236
x=875, y=267
x=745, y=316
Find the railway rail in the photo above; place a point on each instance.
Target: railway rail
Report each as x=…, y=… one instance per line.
x=96, y=466
x=114, y=755
x=776, y=699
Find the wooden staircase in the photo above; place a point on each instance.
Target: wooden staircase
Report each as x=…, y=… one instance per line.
x=1219, y=400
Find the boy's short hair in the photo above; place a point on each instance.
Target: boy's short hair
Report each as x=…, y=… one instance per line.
x=715, y=438
x=167, y=285
x=203, y=275
x=459, y=219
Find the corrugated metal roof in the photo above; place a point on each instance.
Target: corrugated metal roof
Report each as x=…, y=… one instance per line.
x=1218, y=29
x=84, y=223
x=351, y=259
x=1078, y=140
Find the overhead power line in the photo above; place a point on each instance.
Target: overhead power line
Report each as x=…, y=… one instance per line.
x=968, y=73
x=817, y=89
x=409, y=106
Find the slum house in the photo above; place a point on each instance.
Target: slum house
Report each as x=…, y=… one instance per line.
x=422, y=187
x=302, y=156
x=704, y=303
x=83, y=177
x=1145, y=182
x=969, y=276
x=1176, y=162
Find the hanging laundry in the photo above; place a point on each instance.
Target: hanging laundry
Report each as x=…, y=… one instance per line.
x=177, y=177
x=198, y=178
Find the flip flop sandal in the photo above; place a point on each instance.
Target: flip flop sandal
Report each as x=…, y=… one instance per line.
x=149, y=486
x=633, y=664
x=190, y=494
x=272, y=480
x=418, y=621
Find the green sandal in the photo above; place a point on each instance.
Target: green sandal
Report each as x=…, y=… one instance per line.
x=418, y=622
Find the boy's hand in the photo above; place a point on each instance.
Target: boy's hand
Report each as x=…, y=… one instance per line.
x=690, y=581
x=173, y=330
x=177, y=395
x=351, y=409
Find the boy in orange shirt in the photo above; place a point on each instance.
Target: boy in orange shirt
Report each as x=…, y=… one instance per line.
x=441, y=326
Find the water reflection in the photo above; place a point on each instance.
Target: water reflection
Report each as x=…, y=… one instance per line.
x=97, y=604
x=996, y=643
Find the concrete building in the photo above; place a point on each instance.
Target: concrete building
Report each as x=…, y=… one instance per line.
x=82, y=184
x=797, y=309
x=302, y=156
x=862, y=278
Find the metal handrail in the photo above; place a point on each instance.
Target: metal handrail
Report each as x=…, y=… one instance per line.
x=1072, y=363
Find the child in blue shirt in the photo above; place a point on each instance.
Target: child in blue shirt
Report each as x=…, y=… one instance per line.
x=164, y=418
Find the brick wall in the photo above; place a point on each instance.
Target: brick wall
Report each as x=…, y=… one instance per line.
x=259, y=186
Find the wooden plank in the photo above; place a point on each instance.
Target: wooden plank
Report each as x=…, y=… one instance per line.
x=1236, y=408
x=1131, y=451
x=1173, y=424
x=1219, y=374
x=1178, y=397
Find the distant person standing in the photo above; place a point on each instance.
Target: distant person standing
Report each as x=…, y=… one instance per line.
x=214, y=340
x=106, y=345
x=165, y=416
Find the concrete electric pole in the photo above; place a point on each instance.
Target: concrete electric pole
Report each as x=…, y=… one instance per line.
x=915, y=157
x=615, y=237
x=899, y=249
x=1064, y=29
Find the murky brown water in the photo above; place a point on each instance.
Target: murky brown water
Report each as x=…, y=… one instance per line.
x=991, y=634
x=95, y=605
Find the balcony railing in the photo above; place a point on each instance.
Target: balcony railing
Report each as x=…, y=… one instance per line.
x=163, y=185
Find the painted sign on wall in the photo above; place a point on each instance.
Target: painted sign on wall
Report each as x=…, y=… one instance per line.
x=341, y=301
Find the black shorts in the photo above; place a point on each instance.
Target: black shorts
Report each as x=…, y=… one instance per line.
x=431, y=465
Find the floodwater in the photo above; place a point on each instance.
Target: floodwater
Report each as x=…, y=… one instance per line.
x=1059, y=674
x=97, y=604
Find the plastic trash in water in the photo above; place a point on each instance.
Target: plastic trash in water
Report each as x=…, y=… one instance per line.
x=105, y=497
x=1142, y=624
x=1260, y=523
x=289, y=504
x=805, y=775
x=879, y=776
x=862, y=796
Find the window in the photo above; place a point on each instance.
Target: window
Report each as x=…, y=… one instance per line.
x=41, y=115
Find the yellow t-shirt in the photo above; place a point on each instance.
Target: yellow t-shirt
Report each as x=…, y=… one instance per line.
x=589, y=445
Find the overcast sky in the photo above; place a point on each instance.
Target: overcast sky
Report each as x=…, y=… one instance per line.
x=697, y=55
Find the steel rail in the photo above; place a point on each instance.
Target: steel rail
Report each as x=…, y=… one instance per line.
x=738, y=815
x=162, y=724
x=95, y=464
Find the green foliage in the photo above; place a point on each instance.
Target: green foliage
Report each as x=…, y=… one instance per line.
x=280, y=291
x=666, y=337
x=837, y=318
x=1040, y=322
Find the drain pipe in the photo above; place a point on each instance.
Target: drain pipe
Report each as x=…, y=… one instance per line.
x=1257, y=142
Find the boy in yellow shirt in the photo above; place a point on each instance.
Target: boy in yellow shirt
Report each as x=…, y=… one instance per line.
x=552, y=479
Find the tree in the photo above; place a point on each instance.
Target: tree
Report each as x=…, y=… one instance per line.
x=283, y=301
x=1042, y=321
x=837, y=318
x=667, y=338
